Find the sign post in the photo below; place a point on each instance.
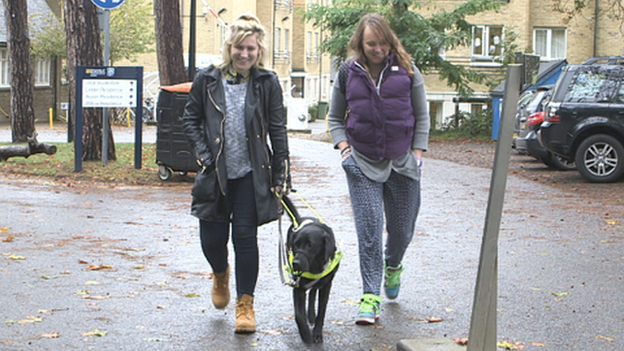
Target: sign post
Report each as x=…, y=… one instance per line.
x=103, y=87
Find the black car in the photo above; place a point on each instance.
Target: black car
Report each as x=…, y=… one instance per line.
x=530, y=117
x=584, y=120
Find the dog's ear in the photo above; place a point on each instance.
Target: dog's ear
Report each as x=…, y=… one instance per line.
x=330, y=244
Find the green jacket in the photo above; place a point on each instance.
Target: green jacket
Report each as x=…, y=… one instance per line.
x=203, y=122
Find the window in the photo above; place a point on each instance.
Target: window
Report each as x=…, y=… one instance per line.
x=587, y=87
x=286, y=41
x=310, y=52
x=277, y=40
x=549, y=43
x=42, y=72
x=4, y=67
x=487, y=42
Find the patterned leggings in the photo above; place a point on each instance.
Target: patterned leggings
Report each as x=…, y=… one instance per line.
x=399, y=199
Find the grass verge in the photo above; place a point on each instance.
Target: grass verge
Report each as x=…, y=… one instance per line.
x=61, y=166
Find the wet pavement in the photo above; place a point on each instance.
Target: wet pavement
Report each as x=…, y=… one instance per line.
x=125, y=263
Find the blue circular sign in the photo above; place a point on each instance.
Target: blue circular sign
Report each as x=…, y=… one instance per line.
x=108, y=4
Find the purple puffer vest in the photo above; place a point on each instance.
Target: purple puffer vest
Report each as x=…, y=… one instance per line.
x=380, y=126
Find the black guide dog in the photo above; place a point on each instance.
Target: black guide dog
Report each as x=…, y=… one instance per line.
x=313, y=260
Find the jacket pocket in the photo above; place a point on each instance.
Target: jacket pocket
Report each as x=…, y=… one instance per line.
x=206, y=187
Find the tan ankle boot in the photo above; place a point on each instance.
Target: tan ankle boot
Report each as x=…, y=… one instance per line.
x=221, y=289
x=245, y=316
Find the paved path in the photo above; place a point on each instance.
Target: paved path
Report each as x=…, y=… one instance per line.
x=560, y=267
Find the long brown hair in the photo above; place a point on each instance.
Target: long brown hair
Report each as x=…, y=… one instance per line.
x=380, y=26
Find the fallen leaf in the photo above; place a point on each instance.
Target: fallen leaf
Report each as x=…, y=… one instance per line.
x=51, y=335
x=81, y=292
x=194, y=295
x=95, y=332
x=15, y=257
x=461, y=341
x=3, y=230
x=434, y=319
x=8, y=239
x=83, y=262
x=561, y=294
x=604, y=338
x=540, y=344
x=94, y=297
x=92, y=282
x=506, y=345
x=611, y=222
x=97, y=267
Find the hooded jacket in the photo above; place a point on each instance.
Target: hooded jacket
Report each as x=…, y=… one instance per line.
x=203, y=123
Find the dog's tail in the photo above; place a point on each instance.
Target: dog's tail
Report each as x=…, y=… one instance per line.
x=291, y=210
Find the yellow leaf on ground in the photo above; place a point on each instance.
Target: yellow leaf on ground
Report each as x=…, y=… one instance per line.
x=506, y=345
x=8, y=239
x=605, y=338
x=95, y=332
x=15, y=257
x=92, y=282
x=561, y=294
x=3, y=230
x=51, y=335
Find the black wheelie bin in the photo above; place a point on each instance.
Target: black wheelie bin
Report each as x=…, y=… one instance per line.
x=173, y=152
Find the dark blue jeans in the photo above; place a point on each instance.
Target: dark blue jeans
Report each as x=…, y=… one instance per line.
x=241, y=205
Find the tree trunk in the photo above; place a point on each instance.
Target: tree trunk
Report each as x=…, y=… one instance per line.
x=33, y=147
x=22, y=110
x=84, y=49
x=169, y=42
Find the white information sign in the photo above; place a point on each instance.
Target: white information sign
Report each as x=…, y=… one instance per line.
x=109, y=93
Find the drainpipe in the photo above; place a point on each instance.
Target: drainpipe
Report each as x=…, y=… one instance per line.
x=595, y=26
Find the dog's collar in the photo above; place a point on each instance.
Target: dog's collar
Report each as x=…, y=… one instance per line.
x=330, y=266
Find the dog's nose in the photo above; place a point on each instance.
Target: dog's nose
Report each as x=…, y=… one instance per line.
x=297, y=265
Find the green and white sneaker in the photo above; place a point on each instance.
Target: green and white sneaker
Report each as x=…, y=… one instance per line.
x=393, y=281
x=370, y=305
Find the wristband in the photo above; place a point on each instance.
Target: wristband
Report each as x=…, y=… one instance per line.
x=419, y=162
x=345, y=151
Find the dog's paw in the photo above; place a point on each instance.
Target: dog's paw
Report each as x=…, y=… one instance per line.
x=318, y=338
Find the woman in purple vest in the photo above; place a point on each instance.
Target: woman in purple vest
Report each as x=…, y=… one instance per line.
x=378, y=120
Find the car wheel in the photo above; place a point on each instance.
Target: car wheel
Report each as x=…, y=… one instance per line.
x=600, y=159
x=557, y=162
x=164, y=173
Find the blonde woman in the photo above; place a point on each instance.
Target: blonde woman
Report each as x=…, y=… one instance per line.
x=233, y=109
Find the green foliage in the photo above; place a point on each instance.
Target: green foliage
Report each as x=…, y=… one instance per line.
x=131, y=30
x=47, y=39
x=423, y=38
x=467, y=126
x=131, y=33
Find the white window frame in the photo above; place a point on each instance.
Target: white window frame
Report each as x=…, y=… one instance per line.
x=42, y=72
x=286, y=42
x=478, y=51
x=4, y=68
x=550, y=44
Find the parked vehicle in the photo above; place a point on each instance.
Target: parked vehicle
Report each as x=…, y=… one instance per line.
x=530, y=117
x=584, y=120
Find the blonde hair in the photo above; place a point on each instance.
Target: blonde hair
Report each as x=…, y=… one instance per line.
x=245, y=25
x=381, y=27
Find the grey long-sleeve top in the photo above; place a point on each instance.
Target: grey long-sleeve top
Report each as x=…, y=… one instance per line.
x=380, y=170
